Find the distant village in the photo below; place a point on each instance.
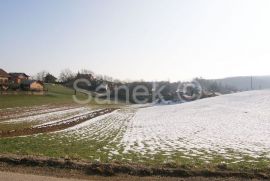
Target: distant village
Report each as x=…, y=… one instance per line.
x=19, y=81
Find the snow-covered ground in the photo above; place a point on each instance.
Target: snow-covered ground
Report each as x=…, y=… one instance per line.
x=221, y=125
x=19, y=112
x=46, y=117
x=232, y=126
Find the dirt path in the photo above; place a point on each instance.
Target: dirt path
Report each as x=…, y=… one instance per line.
x=11, y=176
x=56, y=126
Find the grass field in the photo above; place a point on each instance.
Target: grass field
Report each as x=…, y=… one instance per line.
x=100, y=140
x=56, y=94
x=198, y=135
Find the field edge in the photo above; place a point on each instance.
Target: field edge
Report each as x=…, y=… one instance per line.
x=114, y=169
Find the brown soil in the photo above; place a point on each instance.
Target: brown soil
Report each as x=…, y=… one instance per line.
x=55, y=126
x=83, y=169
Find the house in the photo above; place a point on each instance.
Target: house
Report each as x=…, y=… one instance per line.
x=32, y=85
x=49, y=78
x=17, y=78
x=4, y=76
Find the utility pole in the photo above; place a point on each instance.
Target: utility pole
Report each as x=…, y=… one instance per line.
x=251, y=83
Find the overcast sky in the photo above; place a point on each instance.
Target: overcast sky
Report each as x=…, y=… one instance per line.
x=137, y=39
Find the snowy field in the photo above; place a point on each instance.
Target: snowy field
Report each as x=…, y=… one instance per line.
x=238, y=122
x=232, y=128
x=39, y=116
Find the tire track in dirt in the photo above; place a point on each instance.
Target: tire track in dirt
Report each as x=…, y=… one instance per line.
x=56, y=126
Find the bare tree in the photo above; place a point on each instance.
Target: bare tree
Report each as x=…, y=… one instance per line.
x=41, y=75
x=66, y=75
x=85, y=71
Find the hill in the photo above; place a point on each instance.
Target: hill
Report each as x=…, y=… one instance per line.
x=243, y=83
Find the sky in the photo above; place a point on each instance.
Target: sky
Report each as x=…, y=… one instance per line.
x=137, y=39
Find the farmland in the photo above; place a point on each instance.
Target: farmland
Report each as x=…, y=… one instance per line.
x=231, y=130
x=56, y=95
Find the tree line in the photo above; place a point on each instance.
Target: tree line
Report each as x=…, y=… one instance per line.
x=124, y=90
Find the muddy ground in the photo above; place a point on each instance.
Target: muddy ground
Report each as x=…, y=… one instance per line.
x=56, y=126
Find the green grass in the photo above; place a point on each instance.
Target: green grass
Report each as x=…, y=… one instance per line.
x=94, y=150
x=57, y=94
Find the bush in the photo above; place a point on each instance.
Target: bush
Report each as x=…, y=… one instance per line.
x=14, y=86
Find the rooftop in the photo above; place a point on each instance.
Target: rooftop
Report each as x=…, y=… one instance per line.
x=4, y=73
x=16, y=74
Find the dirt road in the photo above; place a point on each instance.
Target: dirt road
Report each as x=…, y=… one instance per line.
x=11, y=176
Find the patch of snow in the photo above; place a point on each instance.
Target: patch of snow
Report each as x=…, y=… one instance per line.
x=54, y=115
x=238, y=122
